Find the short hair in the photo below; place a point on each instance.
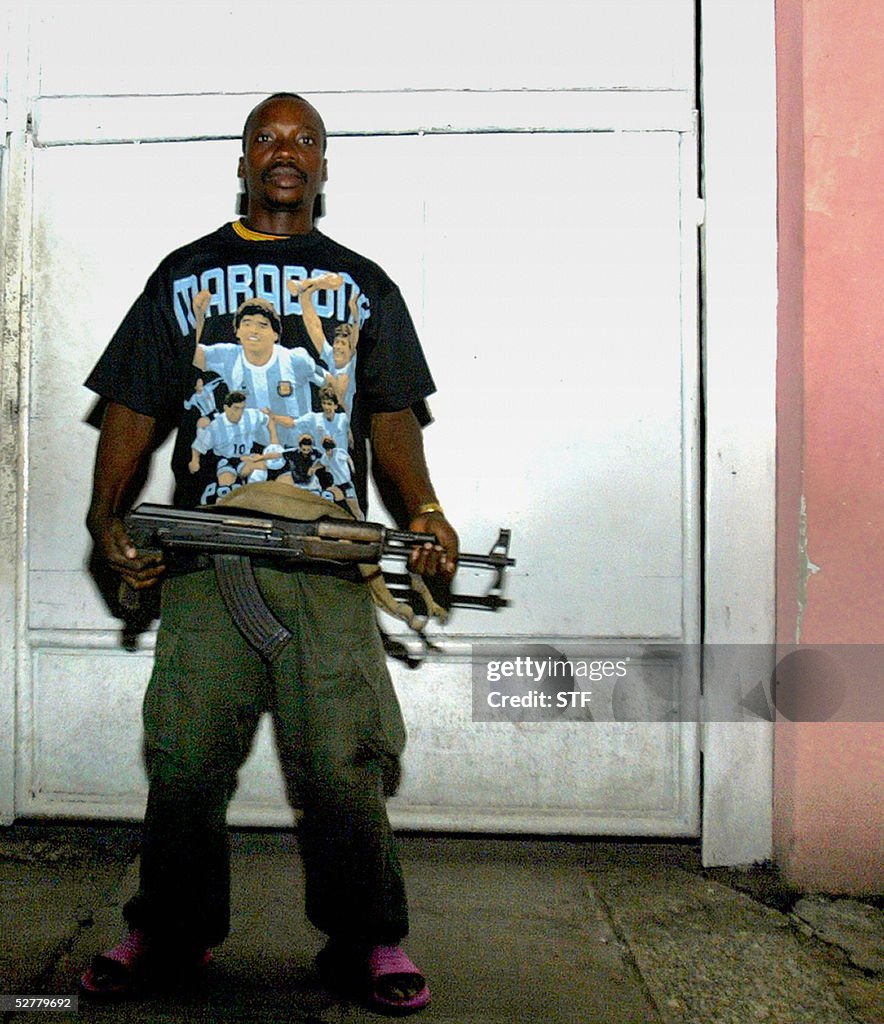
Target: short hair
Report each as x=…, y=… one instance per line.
x=258, y=307
x=282, y=96
x=327, y=393
x=234, y=398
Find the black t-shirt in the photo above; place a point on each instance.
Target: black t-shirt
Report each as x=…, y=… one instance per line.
x=261, y=376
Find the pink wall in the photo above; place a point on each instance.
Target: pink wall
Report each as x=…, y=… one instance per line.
x=828, y=778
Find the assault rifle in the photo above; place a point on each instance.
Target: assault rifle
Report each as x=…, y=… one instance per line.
x=232, y=537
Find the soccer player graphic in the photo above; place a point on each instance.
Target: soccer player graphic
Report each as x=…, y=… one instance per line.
x=304, y=464
x=340, y=355
x=331, y=422
x=231, y=437
x=339, y=466
x=274, y=378
x=203, y=399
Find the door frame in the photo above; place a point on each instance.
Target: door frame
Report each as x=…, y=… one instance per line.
x=737, y=89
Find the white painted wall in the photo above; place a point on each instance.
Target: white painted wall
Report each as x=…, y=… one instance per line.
x=201, y=46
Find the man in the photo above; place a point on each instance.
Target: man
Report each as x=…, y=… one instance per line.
x=338, y=726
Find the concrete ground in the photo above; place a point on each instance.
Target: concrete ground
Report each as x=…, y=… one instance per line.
x=507, y=930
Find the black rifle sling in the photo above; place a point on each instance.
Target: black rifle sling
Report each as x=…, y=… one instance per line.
x=247, y=607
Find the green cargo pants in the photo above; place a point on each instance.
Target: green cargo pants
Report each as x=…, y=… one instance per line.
x=339, y=732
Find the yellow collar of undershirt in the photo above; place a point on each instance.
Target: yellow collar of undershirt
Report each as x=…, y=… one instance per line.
x=255, y=236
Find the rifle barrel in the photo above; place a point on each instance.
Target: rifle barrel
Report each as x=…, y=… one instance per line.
x=410, y=537
x=485, y=560
x=398, y=541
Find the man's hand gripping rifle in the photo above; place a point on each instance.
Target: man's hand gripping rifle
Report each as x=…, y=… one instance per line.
x=233, y=536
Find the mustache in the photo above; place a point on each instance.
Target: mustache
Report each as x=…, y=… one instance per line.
x=284, y=166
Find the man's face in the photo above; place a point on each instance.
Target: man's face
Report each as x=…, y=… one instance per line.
x=341, y=349
x=235, y=411
x=283, y=164
x=328, y=408
x=257, y=337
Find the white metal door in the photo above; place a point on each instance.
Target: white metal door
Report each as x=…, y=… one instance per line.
x=565, y=350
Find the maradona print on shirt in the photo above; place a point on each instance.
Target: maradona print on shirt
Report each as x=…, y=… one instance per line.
x=245, y=346
x=253, y=414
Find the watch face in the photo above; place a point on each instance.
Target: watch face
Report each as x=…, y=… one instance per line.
x=284, y=388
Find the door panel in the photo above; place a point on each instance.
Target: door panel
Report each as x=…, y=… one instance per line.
x=562, y=354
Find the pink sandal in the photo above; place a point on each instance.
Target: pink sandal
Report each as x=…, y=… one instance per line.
x=373, y=978
x=389, y=964
x=117, y=973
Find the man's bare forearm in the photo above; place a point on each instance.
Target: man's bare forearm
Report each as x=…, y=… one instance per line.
x=125, y=446
x=398, y=447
